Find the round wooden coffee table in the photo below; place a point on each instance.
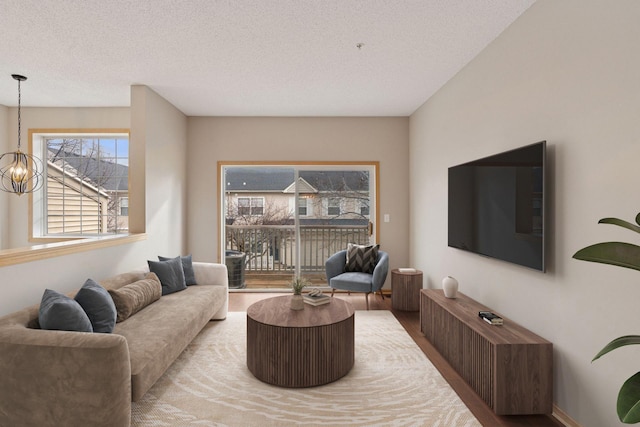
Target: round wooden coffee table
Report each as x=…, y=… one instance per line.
x=304, y=348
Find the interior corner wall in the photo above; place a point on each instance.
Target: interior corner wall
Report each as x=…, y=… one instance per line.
x=162, y=131
x=213, y=139
x=4, y=200
x=565, y=72
x=164, y=128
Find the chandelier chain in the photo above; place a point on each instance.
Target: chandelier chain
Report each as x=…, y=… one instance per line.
x=19, y=118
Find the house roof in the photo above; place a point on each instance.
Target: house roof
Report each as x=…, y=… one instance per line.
x=84, y=188
x=303, y=187
x=270, y=179
x=108, y=176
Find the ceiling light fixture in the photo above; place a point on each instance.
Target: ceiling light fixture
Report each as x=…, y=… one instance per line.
x=23, y=172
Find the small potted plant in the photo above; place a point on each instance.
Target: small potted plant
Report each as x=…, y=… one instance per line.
x=297, y=284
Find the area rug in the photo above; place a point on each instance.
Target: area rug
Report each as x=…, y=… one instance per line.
x=392, y=383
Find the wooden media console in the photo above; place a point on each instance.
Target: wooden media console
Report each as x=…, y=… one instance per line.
x=509, y=367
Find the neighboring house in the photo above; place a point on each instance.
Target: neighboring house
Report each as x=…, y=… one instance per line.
x=332, y=209
x=94, y=192
x=268, y=196
x=85, y=208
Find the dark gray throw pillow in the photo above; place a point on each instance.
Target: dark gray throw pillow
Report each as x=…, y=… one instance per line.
x=170, y=274
x=61, y=313
x=361, y=258
x=99, y=306
x=187, y=268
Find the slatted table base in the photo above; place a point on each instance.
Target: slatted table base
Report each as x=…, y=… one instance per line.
x=405, y=290
x=300, y=356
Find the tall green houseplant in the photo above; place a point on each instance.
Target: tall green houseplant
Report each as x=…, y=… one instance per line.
x=622, y=255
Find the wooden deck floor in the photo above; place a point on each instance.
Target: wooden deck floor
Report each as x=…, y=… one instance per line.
x=271, y=281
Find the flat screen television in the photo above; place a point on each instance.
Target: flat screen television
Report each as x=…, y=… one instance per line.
x=496, y=206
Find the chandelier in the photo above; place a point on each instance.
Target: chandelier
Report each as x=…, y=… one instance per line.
x=20, y=172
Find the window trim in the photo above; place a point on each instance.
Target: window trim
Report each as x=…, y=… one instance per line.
x=38, y=230
x=305, y=207
x=333, y=206
x=121, y=205
x=37, y=236
x=251, y=206
x=54, y=249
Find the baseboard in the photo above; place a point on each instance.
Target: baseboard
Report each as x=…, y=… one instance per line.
x=563, y=418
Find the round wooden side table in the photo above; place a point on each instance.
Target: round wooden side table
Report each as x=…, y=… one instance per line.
x=299, y=348
x=405, y=290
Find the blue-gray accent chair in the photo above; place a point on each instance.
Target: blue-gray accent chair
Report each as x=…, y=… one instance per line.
x=356, y=281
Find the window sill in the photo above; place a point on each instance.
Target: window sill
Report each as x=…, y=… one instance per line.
x=50, y=250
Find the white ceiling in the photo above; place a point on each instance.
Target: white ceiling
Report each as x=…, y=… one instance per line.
x=245, y=57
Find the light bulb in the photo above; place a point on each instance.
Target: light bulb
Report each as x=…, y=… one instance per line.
x=18, y=170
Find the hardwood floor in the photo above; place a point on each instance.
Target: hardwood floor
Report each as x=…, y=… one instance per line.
x=239, y=301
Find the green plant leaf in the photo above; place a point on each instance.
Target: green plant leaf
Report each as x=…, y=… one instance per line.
x=621, y=223
x=614, y=253
x=617, y=343
x=629, y=400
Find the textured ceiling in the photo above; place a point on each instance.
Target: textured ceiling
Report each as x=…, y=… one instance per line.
x=242, y=57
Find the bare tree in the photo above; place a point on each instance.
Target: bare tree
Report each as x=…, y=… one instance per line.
x=351, y=189
x=254, y=234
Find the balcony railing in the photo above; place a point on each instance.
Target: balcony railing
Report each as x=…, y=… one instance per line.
x=272, y=248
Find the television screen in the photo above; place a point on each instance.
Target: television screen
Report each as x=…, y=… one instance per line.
x=496, y=206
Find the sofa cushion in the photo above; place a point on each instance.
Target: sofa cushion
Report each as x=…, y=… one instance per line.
x=361, y=258
x=353, y=281
x=99, y=306
x=135, y=296
x=59, y=312
x=187, y=268
x=170, y=274
x=158, y=334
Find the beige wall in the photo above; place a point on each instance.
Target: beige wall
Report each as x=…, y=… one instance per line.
x=566, y=72
x=164, y=136
x=160, y=128
x=298, y=139
x=4, y=204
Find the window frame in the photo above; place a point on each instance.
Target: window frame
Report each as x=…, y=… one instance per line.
x=333, y=206
x=251, y=206
x=362, y=207
x=38, y=218
x=123, y=202
x=303, y=203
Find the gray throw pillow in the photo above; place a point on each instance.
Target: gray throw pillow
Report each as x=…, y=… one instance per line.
x=361, y=258
x=170, y=274
x=97, y=303
x=187, y=268
x=61, y=313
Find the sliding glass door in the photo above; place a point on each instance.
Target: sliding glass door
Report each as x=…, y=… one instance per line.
x=285, y=220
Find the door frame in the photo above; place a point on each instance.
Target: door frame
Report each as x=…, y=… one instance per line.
x=220, y=196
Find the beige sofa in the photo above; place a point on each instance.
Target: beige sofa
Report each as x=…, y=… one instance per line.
x=60, y=378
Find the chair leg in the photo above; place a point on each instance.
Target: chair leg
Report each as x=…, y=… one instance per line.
x=366, y=298
x=332, y=291
x=381, y=294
